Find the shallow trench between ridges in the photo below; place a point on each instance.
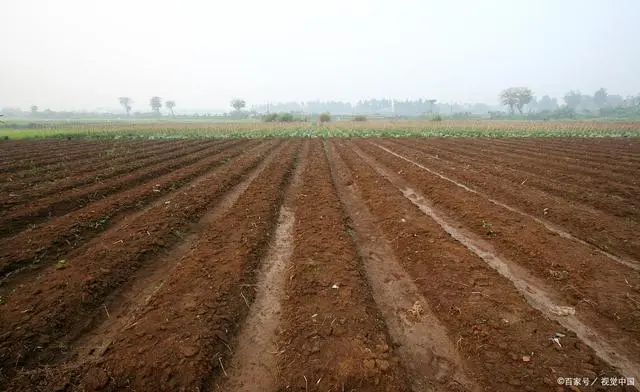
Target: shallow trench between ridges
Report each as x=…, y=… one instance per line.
x=22, y=218
x=43, y=153
x=633, y=264
x=427, y=354
x=553, y=157
x=463, y=154
x=160, y=164
x=127, y=304
x=254, y=363
x=531, y=288
x=100, y=170
x=13, y=278
x=451, y=161
x=560, y=151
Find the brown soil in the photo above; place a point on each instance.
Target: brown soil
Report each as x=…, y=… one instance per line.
x=59, y=302
x=612, y=227
x=37, y=246
x=253, y=367
x=321, y=265
x=45, y=154
x=492, y=325
x=19, y=217
x=39, y=182
x=555, y=167
x=332, y=336
x=601, y=187
x=609, y=304
x=191, y=318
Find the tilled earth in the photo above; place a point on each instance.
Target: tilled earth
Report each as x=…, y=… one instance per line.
x=320, y=265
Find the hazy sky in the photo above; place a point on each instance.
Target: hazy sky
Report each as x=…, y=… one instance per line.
x=71, y=54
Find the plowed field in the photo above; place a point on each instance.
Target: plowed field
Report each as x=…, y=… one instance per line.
x=320, y=265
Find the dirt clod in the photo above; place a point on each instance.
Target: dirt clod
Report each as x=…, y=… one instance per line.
x=96, y=379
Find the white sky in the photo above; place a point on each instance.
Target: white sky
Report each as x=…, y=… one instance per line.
x=72, y=54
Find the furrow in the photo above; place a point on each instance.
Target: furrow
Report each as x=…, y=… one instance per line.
x=422, y=341
x=534, y=290
x=18, y=218
x=505, y=343
x=38, y=148
x=628, y=262
x=253, y=367
x=332, y=337
x=94, y=271
x=561, y=150
x=603, y=191
x=52, y=157
x=40, y=183
x=37, y=247
x=191, y=313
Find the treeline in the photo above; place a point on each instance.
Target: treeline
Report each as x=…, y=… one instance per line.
x=516, y=102
x=601, y=102
x=66, y=114
x=572, y=105
x=371, y=107
x=52, y=114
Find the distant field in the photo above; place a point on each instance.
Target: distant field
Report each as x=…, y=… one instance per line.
x=461, y=128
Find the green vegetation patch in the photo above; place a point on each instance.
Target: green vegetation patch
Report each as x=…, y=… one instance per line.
x=283, y=127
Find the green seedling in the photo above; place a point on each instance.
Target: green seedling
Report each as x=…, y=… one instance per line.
x=101, y=223
x=488, y=227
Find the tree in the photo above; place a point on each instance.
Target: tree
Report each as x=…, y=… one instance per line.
x=34, y=110
x=547, y=103
x=615, y=100
x=516, y=97
x=156, y=104
x=573, y=99
x=126, y=102
x=588, y=103
x=170, y=105
x=431, y=103
x=600, y=98
x=238, y=104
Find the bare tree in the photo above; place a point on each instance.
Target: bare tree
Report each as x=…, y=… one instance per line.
x=156, y=104
x=126, y=103
x=170, y=105
x=238, y=104
x=516, y=97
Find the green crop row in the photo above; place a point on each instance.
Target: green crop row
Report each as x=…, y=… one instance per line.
x=344, y=129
